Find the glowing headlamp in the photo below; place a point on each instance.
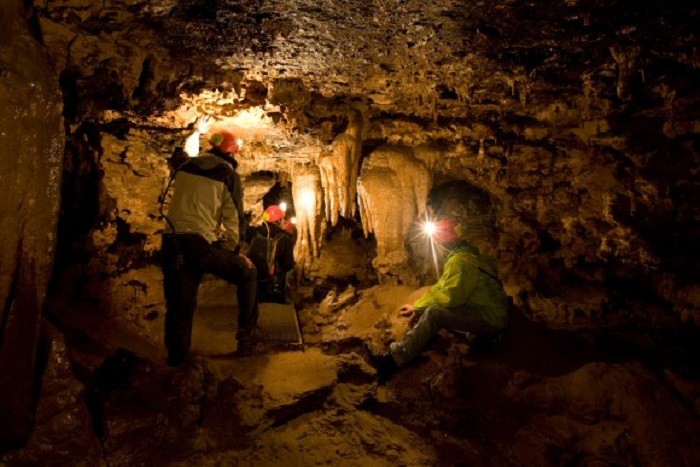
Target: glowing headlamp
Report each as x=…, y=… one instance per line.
x=308, y=198
x=429, y=228
x=283, y=206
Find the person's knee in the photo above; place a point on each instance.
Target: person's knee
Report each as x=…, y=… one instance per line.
x=250, y=273
x=434, y=316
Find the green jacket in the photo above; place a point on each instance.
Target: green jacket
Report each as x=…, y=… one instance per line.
x=469, y=279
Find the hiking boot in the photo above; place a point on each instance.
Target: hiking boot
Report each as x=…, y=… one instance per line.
x=174, y=362
x=479, y=344
x=246, y=344
x=384, y=363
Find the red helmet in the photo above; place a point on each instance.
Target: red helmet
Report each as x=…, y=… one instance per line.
x=225, y=141
x=273, y=213
x=446, y=231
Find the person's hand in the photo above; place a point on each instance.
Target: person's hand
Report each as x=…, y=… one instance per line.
x=203, y=124
x=407, y=311
x=248, y=261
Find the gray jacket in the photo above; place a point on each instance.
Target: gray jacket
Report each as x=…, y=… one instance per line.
x=208, y=194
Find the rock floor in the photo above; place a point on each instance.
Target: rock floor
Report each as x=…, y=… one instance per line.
x=542, y=397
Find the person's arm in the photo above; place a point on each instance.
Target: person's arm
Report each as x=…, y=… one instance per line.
x=456, y=284
x=237, y=193
x=287, y=259
x=192, y=142
x=229, y=219
x=232, y=216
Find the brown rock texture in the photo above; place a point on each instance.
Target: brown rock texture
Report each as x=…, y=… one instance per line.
x=31, y=153
x=565, y=133
x=64, y=425
x=567, y=115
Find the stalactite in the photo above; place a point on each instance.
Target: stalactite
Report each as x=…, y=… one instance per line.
x=339, y=170
x=393, y=189
x=308, y=200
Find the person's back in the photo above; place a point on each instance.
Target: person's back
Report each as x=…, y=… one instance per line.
x=487, y=292
x=205, y=195
x=272, y=252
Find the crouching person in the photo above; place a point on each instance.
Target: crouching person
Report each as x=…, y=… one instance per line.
x=468, y=298
x=207, y=194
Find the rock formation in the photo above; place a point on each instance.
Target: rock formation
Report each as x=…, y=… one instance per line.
x=393, y=191
x=339, y=170
x=31, y=153
x=572, y=126
x=306, y=187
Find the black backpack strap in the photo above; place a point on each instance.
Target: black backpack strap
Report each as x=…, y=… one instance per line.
x=477, y=265
x=489, y=274
x=275, y=241
x=165, y=193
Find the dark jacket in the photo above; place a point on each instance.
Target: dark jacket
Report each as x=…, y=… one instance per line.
x=208, y=194
x=284, y=255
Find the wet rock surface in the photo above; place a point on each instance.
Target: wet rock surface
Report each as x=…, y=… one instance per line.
x=565, y=132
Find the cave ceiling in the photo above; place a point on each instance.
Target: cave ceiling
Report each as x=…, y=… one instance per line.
x=446, y=66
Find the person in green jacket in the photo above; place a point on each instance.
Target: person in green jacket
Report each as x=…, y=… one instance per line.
x=468, y=298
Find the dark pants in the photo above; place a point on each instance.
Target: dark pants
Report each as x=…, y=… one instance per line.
x=273, y=289
x=186, y=258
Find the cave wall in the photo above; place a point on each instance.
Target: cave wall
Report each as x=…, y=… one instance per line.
x=579, y=121
x=31, y=153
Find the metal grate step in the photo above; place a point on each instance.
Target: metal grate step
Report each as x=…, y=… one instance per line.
x=279, y=324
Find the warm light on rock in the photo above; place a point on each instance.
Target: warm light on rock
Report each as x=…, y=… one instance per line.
x=565, y=135
x=393, y=189
x=306, y=187
x=339, y=170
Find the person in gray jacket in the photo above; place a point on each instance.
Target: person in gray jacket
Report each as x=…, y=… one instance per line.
x=208, y=195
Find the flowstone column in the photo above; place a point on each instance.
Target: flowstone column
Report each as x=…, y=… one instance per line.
x=393, y=189
x=308, y=201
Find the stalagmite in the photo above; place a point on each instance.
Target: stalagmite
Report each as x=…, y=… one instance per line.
x=339, y=170
x=393, y=189
x=308, y=199
x=480, y=157
x=626, y=60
